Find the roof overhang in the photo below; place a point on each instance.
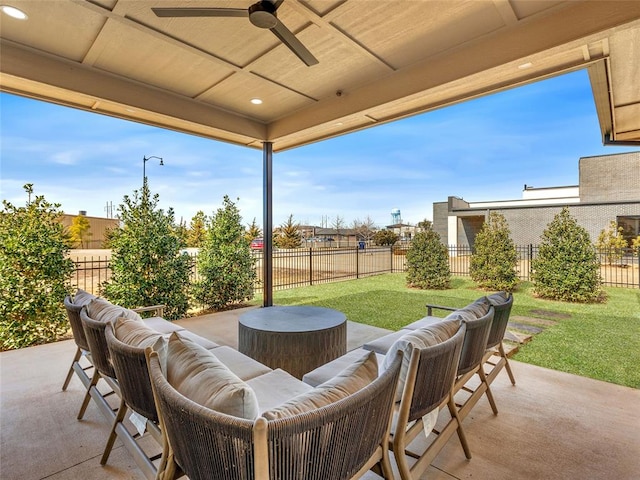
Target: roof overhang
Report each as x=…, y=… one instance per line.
x=378, y=62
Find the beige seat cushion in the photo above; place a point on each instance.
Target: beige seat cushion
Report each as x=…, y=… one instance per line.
x=102, y=310
x=276, y=387
x=197, y=374
x=161, y=325
x=243, y=366
x=135, y=333
x=353, y=378
x=420, y=338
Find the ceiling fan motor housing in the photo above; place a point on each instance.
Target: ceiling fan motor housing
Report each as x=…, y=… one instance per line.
x=263, y=15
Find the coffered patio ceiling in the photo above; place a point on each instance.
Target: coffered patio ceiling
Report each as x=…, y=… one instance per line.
x=378, y=61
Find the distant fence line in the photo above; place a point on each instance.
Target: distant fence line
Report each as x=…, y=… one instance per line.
x=311, y=266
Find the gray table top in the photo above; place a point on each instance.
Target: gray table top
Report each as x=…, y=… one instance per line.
x=292, y=319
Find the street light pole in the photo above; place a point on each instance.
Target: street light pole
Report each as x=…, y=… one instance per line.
x=145, y=159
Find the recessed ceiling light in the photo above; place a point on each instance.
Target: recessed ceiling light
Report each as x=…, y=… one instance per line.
x=13, y=12
x=525, y=66
x=256, y=101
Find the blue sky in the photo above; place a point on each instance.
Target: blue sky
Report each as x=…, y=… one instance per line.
x=482, y=150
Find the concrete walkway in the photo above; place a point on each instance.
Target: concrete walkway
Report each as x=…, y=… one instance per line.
x=551, y=425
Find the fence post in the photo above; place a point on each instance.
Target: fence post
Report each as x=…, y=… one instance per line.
x=530, y=262
x=357, y=262
x=391, y=257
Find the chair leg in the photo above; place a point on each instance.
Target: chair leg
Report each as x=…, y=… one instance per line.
x=492, y=402
x=87, y=396
x=76, y=358
x=122, y=411
x=504, y=355
x=453, y=410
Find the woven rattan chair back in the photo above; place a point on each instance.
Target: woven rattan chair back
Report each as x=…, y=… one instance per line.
x=334, y=442
x=431, y=375
x=475, y=342
x=429, y=385
x=73, y=313
x=94, y=332
x=130, y=367
x=500, y=321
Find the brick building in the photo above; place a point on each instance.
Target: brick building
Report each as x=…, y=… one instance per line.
x=608, y=189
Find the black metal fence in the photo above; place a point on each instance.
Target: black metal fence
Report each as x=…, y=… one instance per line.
x=311, y=266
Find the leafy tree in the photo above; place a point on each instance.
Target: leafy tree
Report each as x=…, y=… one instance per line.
x=494, y=259
x=635, y=244
x=225, y=263
x=34, y=273
x=182, y=231
x=385, y=237
x=611, y=243
x=428, y=260
x=365, y=229
x=146, y=263
x=198, y=230
x=567, y=267
x=288, y=235
x=253, y=231
x=79, y=231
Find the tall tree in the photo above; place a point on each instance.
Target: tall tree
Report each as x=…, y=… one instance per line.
x=289, y=235
x=428, y=260
x=338, y=225
x=146, y=263
x=79, y=231
x=197, y=230
x=611, y=243
x=566, y=267
x=34, y=273
x=365, y=229
x=494, y=259
x=225, y=263
x=253, y=230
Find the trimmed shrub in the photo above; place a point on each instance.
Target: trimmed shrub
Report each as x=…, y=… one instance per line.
x=494, y=259
x=147, y=265
x=567, y=267
x=428, y=260
x=34, y=273
x=225, y=262
x=385, y=237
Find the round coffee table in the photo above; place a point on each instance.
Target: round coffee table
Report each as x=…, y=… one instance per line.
x=295, y=339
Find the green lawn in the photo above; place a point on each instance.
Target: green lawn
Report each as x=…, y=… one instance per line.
x=600, y=341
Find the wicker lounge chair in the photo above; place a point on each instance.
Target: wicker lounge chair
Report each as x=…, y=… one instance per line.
x=130, y=366
x=428, y=386
x=338, y=441
x=502, y=304
x=82, y=350
x=94, y=332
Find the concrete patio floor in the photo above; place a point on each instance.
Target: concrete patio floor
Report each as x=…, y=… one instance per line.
x=551, y=425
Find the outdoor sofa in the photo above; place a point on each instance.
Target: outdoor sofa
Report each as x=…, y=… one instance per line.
x=267, y=418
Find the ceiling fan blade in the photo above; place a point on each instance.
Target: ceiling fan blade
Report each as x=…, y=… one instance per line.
x=200, y=12
x=290, y=40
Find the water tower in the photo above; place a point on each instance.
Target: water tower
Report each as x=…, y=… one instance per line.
x=395, y=216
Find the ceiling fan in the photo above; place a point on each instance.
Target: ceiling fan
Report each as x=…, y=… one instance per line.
x=262, y=14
